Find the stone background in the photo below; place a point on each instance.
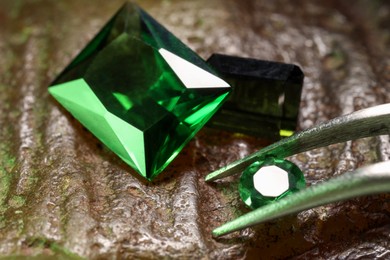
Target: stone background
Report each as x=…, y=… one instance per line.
x=64, y=195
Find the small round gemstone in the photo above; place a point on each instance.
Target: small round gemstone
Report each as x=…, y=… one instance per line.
x=266, y=181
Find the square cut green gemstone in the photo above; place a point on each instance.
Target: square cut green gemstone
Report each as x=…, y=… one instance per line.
x=140, y=90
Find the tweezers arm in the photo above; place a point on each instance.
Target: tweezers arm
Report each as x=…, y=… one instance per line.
x=368, y=180
x=363, y=123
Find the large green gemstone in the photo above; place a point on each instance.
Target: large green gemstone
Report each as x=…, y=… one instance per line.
x=266, y=181
x=140, y=90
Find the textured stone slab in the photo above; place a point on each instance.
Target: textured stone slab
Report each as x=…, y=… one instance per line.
x=62, y=192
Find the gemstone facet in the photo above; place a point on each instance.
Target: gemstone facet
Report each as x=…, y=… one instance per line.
x=140, y=90
x=269, y=180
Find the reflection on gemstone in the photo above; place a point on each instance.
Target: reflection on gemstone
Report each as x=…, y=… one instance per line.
x=140, y=90
x=271, y=179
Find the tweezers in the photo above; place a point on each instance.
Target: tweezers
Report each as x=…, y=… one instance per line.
x=371, y=179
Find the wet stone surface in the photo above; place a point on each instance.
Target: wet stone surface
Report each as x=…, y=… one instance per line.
x=63, y=193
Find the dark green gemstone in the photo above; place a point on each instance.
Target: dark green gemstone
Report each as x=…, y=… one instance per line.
x=140, y=90
x=265, y=99
x=271, y=179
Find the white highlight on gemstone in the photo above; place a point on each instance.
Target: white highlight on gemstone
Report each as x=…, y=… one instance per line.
x=191, y=75
x=271, y=181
